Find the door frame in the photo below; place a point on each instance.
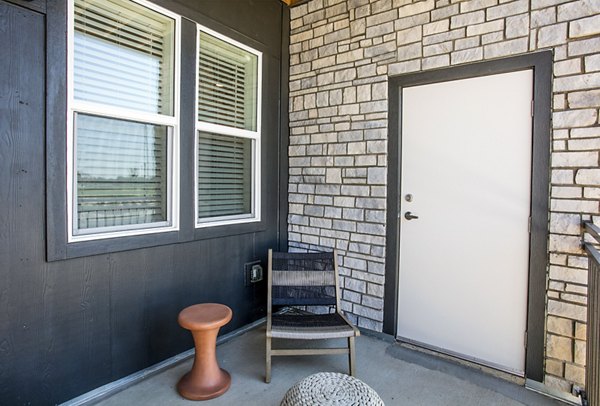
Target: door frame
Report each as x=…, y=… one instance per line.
x=541, y=64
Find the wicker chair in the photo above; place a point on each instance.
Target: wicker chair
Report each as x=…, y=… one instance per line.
x=305, y=279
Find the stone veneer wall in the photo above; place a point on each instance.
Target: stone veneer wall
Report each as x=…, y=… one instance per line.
x=342, y=52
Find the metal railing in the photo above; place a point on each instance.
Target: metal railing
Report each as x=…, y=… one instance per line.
x=591, y=396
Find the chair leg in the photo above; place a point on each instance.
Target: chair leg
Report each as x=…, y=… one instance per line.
x=268, y=361
x=351, y=358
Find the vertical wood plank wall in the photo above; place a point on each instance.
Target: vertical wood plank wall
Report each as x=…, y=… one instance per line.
x=67, y=327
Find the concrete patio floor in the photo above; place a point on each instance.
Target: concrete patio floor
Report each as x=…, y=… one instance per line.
x=400, y=375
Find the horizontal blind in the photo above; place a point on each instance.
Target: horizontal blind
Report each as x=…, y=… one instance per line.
x=121, y=172
x=123, y=55
x=227, y=84
x=224, y=175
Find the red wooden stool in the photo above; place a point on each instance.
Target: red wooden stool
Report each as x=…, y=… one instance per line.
x=206, y=380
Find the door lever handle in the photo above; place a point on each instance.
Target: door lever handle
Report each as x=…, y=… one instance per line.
x=409, y=216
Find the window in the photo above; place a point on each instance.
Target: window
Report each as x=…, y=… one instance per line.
x=227, y=131
x=123, y=119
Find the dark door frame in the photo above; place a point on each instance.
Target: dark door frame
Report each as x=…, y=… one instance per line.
x=541, y=63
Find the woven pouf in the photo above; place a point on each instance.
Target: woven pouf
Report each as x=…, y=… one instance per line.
x=330, y=388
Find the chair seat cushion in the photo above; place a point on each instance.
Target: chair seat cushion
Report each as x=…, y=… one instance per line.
x=310, y=326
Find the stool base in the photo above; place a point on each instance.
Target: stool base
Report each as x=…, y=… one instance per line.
x=194, y=390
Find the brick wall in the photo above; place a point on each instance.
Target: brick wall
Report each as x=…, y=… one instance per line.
x=342, y=52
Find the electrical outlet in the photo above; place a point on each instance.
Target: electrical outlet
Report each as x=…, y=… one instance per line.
x=250, y=275
x=256, y=273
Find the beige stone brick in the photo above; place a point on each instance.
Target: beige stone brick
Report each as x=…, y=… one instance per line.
x=507, y=9
x=580, y=352
x=580, y=262
x=580, y=330
x=560, y=348
x=564, y=244
x=562, y=176
x=579, y=289
x=559, y=145
x=358, y=27
x=574, y=118
x=436, y=61
x=436, y=27
x=554, y=367
x=560, y=326
x=511, y=47
x=557, y=383
x=558, y=259
x=382, y=18
x=543, y=17
x=473, y=5
x=444, y=12
x=484, y=28
x=565, y=223
x=583, y=47
x=568, y=274
x=585, y=132
x=436, y=49
x=574, y=158
x=586, y=144
x=567, y=192
x=416, y=8
x=444, y=36
x=574, y=206
x=465, y=43
x=570, y=310
x=591, y=193
x=577, y=9
x=404, y=67
x=575, y=373
x=568, y=67
x=411, y=51
x=585, y=27
x=588, y=177
x=592, y=63
x=467, y=55
x=409, y=35
x=552, y=35
x=574, y=298
x=467, y=19
x=517, y=26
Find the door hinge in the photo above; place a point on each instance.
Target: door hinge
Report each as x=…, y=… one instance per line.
x=532, y=107
x=525, y=340
x=529, y=225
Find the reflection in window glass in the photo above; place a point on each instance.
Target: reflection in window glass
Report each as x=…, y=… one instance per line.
x=122, y=173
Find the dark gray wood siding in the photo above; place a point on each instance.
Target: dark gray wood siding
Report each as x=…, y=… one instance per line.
x=69, y=326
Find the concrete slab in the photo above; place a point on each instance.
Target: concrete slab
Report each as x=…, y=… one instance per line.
x=401, y=377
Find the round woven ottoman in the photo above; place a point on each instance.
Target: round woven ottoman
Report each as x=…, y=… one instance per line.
x=330, y=388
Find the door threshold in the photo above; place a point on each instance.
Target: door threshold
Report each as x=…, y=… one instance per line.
x=515, y=377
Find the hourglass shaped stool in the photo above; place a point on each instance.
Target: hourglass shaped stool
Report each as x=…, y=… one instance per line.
x=206, y=380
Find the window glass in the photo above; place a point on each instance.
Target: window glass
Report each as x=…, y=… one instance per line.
x=122, y=173
x=123, y=55
x=224, y=175
x=227, y=84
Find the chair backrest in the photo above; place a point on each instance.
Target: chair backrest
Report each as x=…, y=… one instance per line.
x=303, y=279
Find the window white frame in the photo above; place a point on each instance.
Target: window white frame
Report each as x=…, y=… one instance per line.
x=255, y=136
x=171, y=121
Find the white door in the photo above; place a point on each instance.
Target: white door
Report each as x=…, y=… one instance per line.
x=466, y=174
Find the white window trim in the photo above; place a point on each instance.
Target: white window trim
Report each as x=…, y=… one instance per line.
x=256, y=136
x=83, y=107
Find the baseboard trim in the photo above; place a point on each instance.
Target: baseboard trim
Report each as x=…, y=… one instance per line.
x=552, y=393
x=112, y=388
